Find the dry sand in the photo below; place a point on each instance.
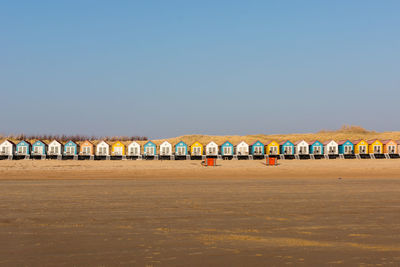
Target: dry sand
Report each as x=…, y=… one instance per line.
x=54, y=169
x=163, y=213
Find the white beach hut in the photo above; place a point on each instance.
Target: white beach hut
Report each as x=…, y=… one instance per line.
x=212, y=149
x=242, y=149
x=7, y=148
x=331, y=148
x=301, y=148
x=102, y=149
x=165, y=149
x=133, y=149
x=55, y=148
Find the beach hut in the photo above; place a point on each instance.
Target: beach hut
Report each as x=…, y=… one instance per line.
x=390, y=147
x=71, y=148
x=257, y=148
x=301, y=147
x=227, y=149
x=150, y=149
x=346, y=147
x=398, y=146
x=134, y=149
x=87, y=148
x=55, y=148
x=181, y=149
x=360, y=147
x=39, y=148
x=273, y=148
x=103, y=149
x=331, y=148
x=7, y=148
x=375, y=147
x=242, y=149
x=23, y=148
x=118, y=149
x=316, y=148
x=212, y=149
x=286, y=148
x=196, y=149
x=165, y=149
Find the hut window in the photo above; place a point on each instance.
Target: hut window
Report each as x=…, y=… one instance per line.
x=227, y=150
x=86, y=150
x=22, y=150
x=391, y=149
x=165, y=150
x=347, y=149
x=257, y=150
x=377, y=149
x=317, y=150
x=196, y=150
x=273, y=150
x=181, y=150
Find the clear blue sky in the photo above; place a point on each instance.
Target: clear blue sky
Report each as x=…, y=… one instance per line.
x=167, y=68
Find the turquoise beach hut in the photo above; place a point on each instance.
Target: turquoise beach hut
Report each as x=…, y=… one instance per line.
x=150, y=149
x=71, y=148
x=227, y=149
x=286, y=148
x=316, y=148
x=346, y=147
x=181, y=149
x=39, y=148
x=257, y=148
x=23, y=148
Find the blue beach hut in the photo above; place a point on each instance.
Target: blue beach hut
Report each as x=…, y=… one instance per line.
x=39, y=148
x=257, y=148
x=346, y=147
x=150, y=149
x=316, y=148
x=23, y=148
x=227, y=149
x=286, y=148
x=181, y=149
x=71, y=148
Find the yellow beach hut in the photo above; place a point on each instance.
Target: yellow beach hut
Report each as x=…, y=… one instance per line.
x=272, y=148
x=196, y=149
x=375, y=147
x=360, y=147
x=118, y=149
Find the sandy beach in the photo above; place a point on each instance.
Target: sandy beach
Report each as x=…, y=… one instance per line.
x=239, y=169
x=178, y=213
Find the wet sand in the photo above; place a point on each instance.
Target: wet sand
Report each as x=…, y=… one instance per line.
x=55, y=218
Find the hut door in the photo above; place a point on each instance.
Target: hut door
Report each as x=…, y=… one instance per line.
x=22, y=150
x=118, y=151
x=181, y=151
x=377, y=149
x=196, y=151
x=273, y=150
x=391, y=149
x=317, y=150
x=347, y=149
x=363, y=149
x=38, y=150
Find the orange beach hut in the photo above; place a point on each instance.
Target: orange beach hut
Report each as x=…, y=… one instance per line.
x=390, y=147
x=87, y=148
